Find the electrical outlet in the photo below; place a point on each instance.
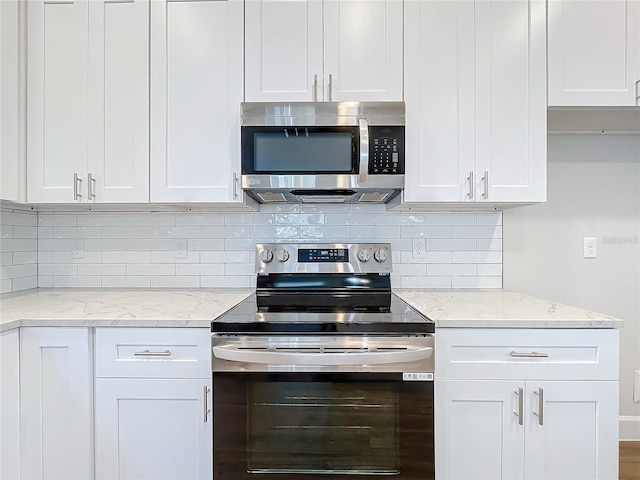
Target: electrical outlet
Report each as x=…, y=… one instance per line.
x=419, y=248
x=78, y=249
x=590, y=247
x=180, y=249
x=636, y=387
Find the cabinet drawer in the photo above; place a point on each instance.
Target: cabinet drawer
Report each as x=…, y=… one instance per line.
x=153, y=352
x=551, y=354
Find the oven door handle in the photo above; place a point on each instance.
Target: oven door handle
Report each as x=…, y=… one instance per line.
x=321, y=359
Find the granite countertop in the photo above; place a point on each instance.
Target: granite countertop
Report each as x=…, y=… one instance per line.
x=198, y=307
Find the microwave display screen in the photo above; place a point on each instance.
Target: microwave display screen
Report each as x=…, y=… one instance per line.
x=299, y=150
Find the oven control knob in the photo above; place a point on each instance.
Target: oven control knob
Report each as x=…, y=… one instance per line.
x=282, y=255
x=364, y=255
x=380, y=255
x=266, y=256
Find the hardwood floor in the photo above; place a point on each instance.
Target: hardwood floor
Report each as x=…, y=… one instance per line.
x=629, y=461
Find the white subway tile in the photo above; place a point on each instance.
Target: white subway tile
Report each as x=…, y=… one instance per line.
x=6, y=286
x=222, y=256
x=18, y=245
x=326, y=209
x=45, y=232
x=490, y=270
x=369, y=209
x=231, y=269
x=25, y=283
x=21, y=258
x=6, y=231
x=231, y=231
x=65, y=257
x=274, y=232
x=126, y=232
x=200, y=269
x=248, y=219
x=375, y=233
x=18, y=218
x=425, y=282
x=207, y=244
x=175, y=232
x=102, y=269
x=17, y=271
x=430, y=257
x=45, y=281
x=77, y=282
x=101, y=220
x=477, y=232
x=46, y=257
x=401, y=243
x=451, y=269
x=77, y=232
x=55, y=220
x=494, y=244
x=281, y=208
x=153, y=244
x=164, y=256
x=409, y=269
x=192, y=281
x=314, y=233
x=129, y=281
x=6, y=258
x=426, y=232
x=489, y=218
x=151, y=269
x=227, y=282
x=399, y=219
x=349, y=219
x=336, y=233
x=58, y=269
x=150, y=219
x=476, y=257
x=450, y=219
x=453, y=244
x=137, y=256
x=299, y=219
x=476, y=282
x=105, y=244
x=201, y=220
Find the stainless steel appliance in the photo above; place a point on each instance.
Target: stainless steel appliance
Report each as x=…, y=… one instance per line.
x=323, y=371
x=323, y=152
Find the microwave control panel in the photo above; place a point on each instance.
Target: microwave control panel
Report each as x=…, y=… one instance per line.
x=386, y=150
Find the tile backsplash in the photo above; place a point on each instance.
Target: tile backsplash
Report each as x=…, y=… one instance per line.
x=18, y=250
x=201, y=250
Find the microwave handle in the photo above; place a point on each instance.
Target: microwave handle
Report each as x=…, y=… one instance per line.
x=363, y=175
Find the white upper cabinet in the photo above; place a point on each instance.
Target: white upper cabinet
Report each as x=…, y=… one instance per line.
x=314, y=50
x=594, y=53
x=88, y=101
x=196, y=91
x=476, y=101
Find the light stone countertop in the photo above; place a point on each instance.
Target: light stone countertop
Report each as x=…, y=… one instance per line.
x=198, y=307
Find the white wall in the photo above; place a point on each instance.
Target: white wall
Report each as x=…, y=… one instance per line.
x=464, y=250
x=593, y=191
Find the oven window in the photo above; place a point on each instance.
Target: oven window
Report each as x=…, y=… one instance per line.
x=323, y=427
x=305, y=152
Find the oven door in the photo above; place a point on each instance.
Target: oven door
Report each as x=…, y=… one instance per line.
x=347, y=425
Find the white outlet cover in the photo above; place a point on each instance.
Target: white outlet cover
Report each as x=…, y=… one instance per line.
x=636, y=387
x=590, y=247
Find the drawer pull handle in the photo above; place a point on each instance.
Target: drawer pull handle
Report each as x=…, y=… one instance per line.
x=148, y=353
x=519, y=413
x=529, y=354
x=540, y=412
x=205, y=402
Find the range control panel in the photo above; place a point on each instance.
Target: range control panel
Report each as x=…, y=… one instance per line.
x=386, y=150
x=323, y=258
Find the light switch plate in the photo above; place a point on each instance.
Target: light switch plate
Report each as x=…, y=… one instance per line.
x=636, y=387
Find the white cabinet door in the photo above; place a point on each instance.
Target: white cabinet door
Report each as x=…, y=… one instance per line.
x=57, y=99
x=10, y=405
x=88, y=101
x=594, y=52
x=576, y=437
x=118, y=155
x=196, y=90
x=283, y=50
x=153, y=429
x=56, y=403
x=511, y=114
x=476, y=101
x=12, y=104
x=363, y=50
x=477, y=434
x=439, y=93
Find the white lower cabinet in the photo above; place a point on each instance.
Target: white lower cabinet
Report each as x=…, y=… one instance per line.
x=153, y=420
x=508, y=406
x=56, y=401
x=10, y=404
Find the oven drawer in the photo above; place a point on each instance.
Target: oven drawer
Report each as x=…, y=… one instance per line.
x=153, y=352
x=552, y=354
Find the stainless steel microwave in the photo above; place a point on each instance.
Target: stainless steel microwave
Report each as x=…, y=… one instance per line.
x=323, y=152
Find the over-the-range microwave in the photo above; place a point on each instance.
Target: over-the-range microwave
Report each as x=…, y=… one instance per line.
x=323, y=152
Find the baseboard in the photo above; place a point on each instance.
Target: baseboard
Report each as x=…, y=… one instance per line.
x=630, y=428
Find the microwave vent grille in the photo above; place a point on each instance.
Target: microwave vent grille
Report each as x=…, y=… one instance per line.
x=271, y=197
x=374, y=197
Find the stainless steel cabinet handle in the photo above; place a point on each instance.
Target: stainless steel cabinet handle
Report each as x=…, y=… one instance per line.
x=148, y=353
x=77, y=184
x=363, y=174
x=540, y=412
x=330, y=88
x=528, y=354
x=637, y=92
x=205, y=403
x=520, y=412
x=91, y=187
x=315, y=87
x=235, y=185
x=485, y=182
x=470, y=179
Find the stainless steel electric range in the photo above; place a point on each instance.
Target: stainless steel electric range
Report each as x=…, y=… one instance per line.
x=323, y=371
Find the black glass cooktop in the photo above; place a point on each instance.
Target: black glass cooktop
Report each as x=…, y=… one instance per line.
x=373, y=312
